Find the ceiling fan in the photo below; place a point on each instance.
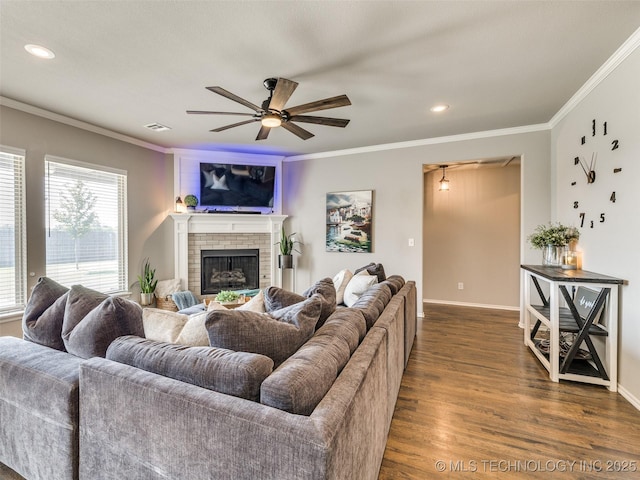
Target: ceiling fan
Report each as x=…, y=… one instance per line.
x=273, y=114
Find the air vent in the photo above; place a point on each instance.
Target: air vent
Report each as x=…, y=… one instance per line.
x=157, y=127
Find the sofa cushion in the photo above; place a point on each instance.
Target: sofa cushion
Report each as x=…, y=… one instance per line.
x=372, y=302
x=395, y=283
x=234, y=373
x=298, y=385
x=373, y=269
x=276, y=335
x=340, y=282
x=44, y=313
x=357, y=286
x=112, y=318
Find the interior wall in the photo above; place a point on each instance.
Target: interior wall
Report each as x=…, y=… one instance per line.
x=396, y=178
x=472, y=236
x=610, y=247
x=149, y=187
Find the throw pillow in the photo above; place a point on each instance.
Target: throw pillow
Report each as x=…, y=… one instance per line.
x=276, y=335
x=374, y=269
x=327, y=292
x=256, y=304
x=340, y=282
x=112, y=318
x=162, y=325
x=80, y=302
x=276, y=298
x=357, y=286
x=44, y=313
x=194, y=332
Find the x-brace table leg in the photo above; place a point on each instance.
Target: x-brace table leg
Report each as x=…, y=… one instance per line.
x=583, y=333
x=545, y=302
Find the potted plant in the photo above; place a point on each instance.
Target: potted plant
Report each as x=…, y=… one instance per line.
x=147, y=283
x=191, y=201
x=285, y=259
x=553, y=239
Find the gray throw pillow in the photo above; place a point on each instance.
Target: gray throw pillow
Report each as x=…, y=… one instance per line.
x=276, y=298
x=276, y=335
x=373, y=269
x=44, y=313
x=327, y=291
x=235, y=373
x=80, y=301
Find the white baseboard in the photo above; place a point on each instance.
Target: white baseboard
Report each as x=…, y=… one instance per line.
x=476, y=305
x=629, y=396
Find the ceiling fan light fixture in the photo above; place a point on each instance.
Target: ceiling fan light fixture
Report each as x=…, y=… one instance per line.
x=439, y=108
x=444, y=183
x=271, y=120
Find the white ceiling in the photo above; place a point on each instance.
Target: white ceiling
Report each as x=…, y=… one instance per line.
x=122, y=65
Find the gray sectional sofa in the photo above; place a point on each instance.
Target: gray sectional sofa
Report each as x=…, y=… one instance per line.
x=152, y=410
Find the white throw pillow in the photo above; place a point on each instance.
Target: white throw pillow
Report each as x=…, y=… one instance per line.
x=162, y=325
x=340, y=282
x=194, y=332
x=357, y=286
x=256, y=304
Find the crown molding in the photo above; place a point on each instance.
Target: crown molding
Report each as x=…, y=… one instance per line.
x=626, y=49
x=56, y=117
x=419, y=143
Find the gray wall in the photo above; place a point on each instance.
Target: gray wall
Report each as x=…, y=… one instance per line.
x=149, y=181
x=396, y=177
x=472, y=236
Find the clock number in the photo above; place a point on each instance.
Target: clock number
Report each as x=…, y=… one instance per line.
x=591, y=223
x=593, y=127
x=576, y=160
x=614, y=145
x=604, y=126
x=613, y=197
x=617, y=170
x=575, y=204
x=602, y=218
x=573, y=184
x=583, y=140
x=582, y=220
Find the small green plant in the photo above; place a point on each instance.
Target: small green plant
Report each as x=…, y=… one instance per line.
x=226, y=296
x=287, y=243
x=191, y=201
x=147, y=280
x=555, y=234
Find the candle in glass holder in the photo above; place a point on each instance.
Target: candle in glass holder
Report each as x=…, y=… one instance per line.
x=570, y=260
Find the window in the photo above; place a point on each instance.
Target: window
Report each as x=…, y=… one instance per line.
x=13, y=259
x=86, y=220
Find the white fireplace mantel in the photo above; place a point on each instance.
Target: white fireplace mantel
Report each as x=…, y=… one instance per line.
x=186, y=223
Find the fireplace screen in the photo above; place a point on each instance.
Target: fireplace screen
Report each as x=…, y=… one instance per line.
x=229, y=270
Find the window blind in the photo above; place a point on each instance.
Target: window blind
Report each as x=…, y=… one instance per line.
x=13, y=261
x=86, y=225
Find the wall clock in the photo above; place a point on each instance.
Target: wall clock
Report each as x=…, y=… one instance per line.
x=595, y=169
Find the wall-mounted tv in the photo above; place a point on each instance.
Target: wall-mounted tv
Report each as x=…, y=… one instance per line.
x=235, y=185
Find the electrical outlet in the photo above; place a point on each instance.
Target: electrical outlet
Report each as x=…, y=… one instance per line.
x=460, y=286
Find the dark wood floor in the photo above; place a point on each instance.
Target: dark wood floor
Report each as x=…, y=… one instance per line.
x=475, y=403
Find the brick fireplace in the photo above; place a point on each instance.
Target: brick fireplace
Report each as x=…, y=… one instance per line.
x=204, y=231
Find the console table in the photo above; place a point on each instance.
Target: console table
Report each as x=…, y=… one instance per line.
x=593, y=322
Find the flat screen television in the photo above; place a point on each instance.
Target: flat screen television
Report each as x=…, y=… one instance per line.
x=235, y=185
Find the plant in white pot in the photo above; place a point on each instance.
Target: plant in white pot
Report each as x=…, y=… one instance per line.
x=287, y=247
x=553, y=239
x=147, y=283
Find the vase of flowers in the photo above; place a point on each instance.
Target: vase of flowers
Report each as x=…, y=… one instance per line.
x=553, y=239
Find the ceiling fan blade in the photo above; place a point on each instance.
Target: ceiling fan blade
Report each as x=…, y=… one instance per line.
x=284, y=89
x=263, y=133
x=235, y=98
x=296, y=130
x=333, y=102
x=226, y=127
x=331, y=122
x=207, y=112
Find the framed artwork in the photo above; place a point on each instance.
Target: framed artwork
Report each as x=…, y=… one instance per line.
x=349, y=221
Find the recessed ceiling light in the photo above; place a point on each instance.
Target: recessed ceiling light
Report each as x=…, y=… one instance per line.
x=39, y=51
x=439, y=108
x=157, y=127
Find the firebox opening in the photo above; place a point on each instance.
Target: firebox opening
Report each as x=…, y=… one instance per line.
x=229, y=270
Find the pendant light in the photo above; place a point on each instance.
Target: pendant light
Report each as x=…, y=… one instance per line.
x=444, y=183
